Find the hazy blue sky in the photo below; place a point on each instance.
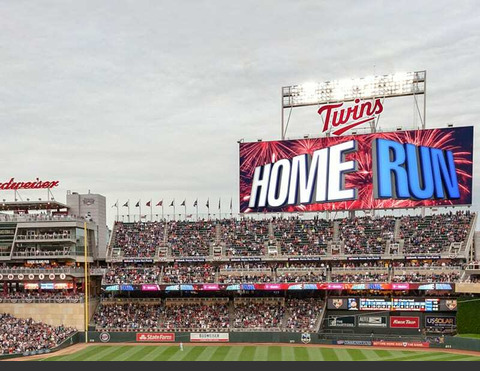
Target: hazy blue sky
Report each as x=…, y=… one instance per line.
x=147, y=99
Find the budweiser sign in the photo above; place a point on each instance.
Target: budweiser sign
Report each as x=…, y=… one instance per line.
x=168, y=337
x=36, y=184
x=345, y=118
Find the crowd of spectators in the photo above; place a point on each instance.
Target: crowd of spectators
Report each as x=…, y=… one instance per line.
x=367, y=235
x=128, y=316
x=191, y=238
x=360, y=277
x=294, y=236
x=302, y=314
x=196, y=316
x=188, y=273
x=246, y=278
x=296, y=276
x=138, y=239
x=298, y=237
x=430, y=278
x=245, y=237
x=33, y=296
x=258, y=314
x=18, y=336
x=433, y=234
x=132, y=275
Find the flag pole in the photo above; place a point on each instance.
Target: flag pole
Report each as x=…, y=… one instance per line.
x=151, y=211
x=196, y=206
x=185, y=205
x=128, y=206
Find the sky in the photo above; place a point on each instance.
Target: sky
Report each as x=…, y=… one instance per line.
x=139, y=99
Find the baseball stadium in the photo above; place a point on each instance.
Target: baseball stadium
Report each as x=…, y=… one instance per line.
x=345, y=247
x=359, y=241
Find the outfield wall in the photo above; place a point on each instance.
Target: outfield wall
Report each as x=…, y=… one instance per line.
x=54, y=314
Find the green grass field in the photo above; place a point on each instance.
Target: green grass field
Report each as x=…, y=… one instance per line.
x=250, y=353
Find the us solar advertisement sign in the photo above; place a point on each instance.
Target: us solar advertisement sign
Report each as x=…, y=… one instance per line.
x=402, y=169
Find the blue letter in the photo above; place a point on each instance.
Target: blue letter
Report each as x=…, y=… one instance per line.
x=444, y=175
x=419, y=172
x=390, y=157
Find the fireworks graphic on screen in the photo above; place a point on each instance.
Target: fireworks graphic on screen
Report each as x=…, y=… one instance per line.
x=458, y=140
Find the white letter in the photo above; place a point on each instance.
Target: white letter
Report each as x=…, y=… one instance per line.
x=279, y=180
x=260, y=180
x=337, y=170
x=307, y=171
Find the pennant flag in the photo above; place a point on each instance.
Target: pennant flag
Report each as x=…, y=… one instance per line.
x=138, y=204
x=172, y=203
x=189, y=215
x=195, y=203
x=219, y=206
x=183, y=203
x=116, y=204
x=160, y=203
x=143, y=217
x=126, y=204
x=208, y=204
x=149, y=203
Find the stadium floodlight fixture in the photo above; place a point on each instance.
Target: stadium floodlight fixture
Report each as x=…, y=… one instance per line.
x=384, y=86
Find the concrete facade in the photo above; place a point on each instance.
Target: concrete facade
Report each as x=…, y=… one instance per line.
x=94, y=207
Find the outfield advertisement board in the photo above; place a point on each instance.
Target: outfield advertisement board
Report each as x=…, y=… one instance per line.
x=341, y=321
x=402, y=169
x=404, y=322
x=372, y=321
x=209, y=337
x=440, y=321
x=154, y=337
x=401, y=344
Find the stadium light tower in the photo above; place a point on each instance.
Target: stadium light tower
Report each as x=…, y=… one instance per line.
x=372, y=87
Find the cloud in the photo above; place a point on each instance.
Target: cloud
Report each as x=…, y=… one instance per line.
x=147, y=99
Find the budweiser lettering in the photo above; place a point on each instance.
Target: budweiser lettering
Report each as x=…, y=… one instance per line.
x=36, y=184
x=348, y=118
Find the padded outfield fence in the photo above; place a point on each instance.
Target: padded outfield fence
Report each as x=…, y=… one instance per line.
x=165, y=338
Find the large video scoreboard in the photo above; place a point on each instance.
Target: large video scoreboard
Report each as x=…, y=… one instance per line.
x=393, y=304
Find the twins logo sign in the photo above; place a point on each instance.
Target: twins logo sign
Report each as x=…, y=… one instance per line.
x=306, y=338
x=104, y=337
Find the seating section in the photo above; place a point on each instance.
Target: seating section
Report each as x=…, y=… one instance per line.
x=199, y=314
x=303, y=237
x=138, y=239
x=191, y=238
x=366, y=235
x=188, y=273
x=128, y=316
x=294, y=236
x=202, y=315
x=18, y=336
x=434, y=234
x=303, y=314
x=132, y=275
x=246, y=237
x=258, y=314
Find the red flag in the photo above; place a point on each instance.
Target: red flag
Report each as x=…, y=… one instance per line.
x=160, y=203
x=149, y=203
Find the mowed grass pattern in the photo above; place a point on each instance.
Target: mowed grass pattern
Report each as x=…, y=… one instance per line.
x=249, y=353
